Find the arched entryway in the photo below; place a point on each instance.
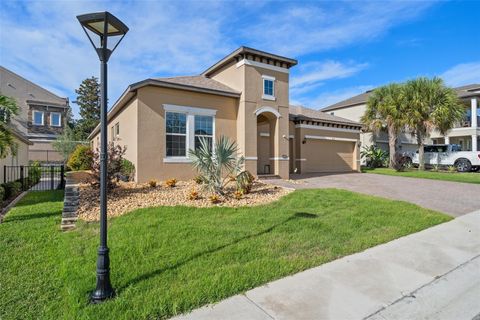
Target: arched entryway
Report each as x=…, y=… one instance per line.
x=266, y=121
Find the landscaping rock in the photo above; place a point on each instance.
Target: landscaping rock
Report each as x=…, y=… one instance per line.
x=130, y=196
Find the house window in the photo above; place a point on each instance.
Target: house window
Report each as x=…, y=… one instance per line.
x=176, y=131
x=38, y=118
x=185, y=127
x=115, y=131
x=112, y=134
x=55, y=119
x=268, y=88
x=203, y=129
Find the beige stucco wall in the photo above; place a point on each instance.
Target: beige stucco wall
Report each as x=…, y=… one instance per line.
x=127, y=119
x=151, y=128
x=44, y=151
x=21, y=159
x=248, y=80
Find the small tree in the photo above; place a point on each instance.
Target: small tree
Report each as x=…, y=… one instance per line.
x=66, y=143
x=385, y=108
x=217, y=165
x=8, y=108
x=430, y=105
x=114, y=164
x=88, y=99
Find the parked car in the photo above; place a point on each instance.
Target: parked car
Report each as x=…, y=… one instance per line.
x=445, y=155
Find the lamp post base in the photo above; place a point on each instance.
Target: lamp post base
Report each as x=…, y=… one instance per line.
x=104, y=290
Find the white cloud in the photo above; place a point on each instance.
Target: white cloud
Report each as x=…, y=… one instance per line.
x=321, y=26
x=314, y=72
x=462, y=74
x=43, y=41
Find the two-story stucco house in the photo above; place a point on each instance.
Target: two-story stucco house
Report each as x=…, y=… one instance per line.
x=42, y=114
x=466, y=134
x=244, y=96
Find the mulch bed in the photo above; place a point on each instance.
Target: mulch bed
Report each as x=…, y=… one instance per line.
x=128, y=196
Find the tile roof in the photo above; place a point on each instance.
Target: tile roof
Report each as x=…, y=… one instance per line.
x=304, y=112
x=463, y=92
x=199, y=82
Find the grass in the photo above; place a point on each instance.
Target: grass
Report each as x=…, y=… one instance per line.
x=467, y=177
x=170, y=260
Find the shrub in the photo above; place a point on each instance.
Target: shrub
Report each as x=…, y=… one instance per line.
x=12, y=188
x=244, y=181
x=152, y=183
x=402, y=162
x=2, y=195
x=214, y=199
x=238, y=195
x=216, y=165
x=81, y=158
x=193, y=195
x=374, y=156
x=199, y=179
x=171, y=183
x=127, y=169
x=451, y=169
x=114, y=164
x=34, y=173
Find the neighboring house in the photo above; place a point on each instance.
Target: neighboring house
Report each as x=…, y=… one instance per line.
x=42, y=116
x=20, y=159
x=244, y=96
x=466, y=133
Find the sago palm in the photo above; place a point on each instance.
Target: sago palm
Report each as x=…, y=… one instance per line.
x=385, y=108
x=430, y=105
x=217, y=164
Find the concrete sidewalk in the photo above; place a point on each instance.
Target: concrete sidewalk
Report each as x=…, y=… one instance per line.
x=439, y=265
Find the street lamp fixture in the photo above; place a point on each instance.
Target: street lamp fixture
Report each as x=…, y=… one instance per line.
x=99, y=28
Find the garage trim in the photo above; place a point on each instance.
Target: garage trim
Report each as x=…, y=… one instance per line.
x=329, y=138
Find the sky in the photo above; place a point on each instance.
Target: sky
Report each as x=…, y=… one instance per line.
x=343, y=48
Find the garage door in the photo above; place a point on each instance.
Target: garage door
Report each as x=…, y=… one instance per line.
x=328, y=156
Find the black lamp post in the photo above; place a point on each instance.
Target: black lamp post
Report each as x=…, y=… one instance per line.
x=99, y=27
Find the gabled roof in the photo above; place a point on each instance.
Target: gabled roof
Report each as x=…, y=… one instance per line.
x=199, y=82
x=244, y=52
x=353, y=101
x=47, y=92
x=301, y=113
x=466, y=91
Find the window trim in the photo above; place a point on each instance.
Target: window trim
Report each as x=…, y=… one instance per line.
x=43, y=118
x=268, y=96
x=190, y=113
x=186, y=135
x=59, y=119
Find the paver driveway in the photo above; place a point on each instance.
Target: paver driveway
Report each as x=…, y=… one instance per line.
x=453, y=198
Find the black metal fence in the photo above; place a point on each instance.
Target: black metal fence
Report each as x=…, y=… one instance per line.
x=36, y=178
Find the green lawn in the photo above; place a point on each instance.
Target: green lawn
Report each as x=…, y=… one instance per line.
x=169, y=260
x=468, y=177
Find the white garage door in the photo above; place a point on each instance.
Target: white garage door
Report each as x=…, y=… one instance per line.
x=329, y=156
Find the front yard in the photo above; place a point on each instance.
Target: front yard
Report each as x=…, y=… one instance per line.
x=168, y=260
x=467, y=177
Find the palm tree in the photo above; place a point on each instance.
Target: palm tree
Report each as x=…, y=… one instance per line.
x=430, y=105
x=8, y=107
x=385, y=109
